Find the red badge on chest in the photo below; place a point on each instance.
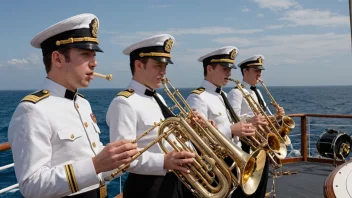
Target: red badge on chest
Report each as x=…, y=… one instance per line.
x=93, y=117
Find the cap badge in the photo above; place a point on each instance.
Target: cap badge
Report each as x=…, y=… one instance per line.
x=94, y=27
x=233, y=54
x=260, y=60
x=168, y=45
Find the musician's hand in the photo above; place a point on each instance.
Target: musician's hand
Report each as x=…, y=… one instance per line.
x=242, y=129
x=178, y=160
x=197, y=117
x=114, y=155
x=258, y=120
x=280, y=112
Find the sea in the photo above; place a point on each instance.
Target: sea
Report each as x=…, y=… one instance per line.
x=305, y=99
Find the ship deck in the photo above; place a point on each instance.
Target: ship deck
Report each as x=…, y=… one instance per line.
x=308, y=182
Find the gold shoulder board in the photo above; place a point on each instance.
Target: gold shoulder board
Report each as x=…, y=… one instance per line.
x=126, y=93
x=199, y=90
x=37, y=96
x=80, y=95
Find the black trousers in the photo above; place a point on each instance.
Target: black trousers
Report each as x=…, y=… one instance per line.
x=150, y=186
x=261, y=190
x=89, y=194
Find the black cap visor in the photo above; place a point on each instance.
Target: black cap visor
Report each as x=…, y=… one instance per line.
x=162, y=59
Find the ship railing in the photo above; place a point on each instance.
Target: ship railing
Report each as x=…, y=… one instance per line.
x=5, y=147
x=309, y=128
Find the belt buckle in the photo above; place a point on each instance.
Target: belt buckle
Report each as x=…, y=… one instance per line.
x=103, y=191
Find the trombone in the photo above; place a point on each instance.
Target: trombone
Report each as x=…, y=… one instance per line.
x=287, y=123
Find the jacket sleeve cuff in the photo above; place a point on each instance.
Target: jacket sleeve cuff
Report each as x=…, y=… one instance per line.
x=81, y=174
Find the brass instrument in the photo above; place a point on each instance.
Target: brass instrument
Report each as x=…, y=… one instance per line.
x=209, y=175
x=216, y=146
x=287, y=123
x=266, y=140
x=281, y=153
x=107, y=77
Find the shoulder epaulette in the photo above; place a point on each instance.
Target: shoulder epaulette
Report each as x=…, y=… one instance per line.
x=199, y=90
x=37, y=96
x=80, y=95
x=126, y=93
x=241, y=86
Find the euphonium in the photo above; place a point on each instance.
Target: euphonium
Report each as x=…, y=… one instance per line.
x=263, y=139
x=257, y=110
x=213, y=144
x=287, y=123
x=107, y=77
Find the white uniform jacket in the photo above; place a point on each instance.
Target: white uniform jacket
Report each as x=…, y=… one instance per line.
x=239, y=104
x=211, y=105
x=130, y=115
x=53, y=136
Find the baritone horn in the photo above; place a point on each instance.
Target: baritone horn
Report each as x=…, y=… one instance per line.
x=215, y=146
x=107, y=77
x=287, y=123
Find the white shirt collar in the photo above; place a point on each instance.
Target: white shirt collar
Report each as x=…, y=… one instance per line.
x=245, y=84
x=209, y=87
x=55, y=88
x=138, y=87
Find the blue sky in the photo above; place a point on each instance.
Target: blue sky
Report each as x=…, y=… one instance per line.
x=303, y=42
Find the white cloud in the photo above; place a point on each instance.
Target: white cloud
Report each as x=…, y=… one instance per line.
x=276, y=4
x=237, y=41
x=274, y=27
x=203, y=31
x=292, y=49
x=16, y=61
x=128, y=38
x=160, y=6
x=245, y=10
x=23, y=63
x=315, y=18
x=260, y=15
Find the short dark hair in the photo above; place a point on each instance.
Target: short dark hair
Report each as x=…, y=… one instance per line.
x=213, y=65
x=242, y=68
x=144, y=60
x=47, y=58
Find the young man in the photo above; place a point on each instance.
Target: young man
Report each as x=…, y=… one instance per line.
x=251, y=69
x=209, y=98
x=211, y=101
x=53, y=132
x=136, y=109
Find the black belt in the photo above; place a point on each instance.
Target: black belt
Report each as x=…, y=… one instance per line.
x=96, y=193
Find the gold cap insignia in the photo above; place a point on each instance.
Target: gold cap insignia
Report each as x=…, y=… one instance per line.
x=94, y=27
x=260, y=60
x=168, y=45
x=233, y=54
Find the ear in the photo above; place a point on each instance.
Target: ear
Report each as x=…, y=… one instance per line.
x=138, y=65
x=57, y=59
x=209, y=68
